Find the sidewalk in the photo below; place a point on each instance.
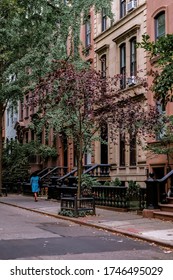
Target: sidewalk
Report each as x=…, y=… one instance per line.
x=126, y=223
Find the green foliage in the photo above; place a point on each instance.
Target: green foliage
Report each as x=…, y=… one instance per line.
x=133, y=190
x=115, y=182
x=16, y=158
x=46, y=152
x=161, y=56
x=107, y=183
x=70, y=213
x=87, y=182
x=164, y=143
x=33, y=34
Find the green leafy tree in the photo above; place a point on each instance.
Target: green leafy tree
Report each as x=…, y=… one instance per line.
x=32, y=35
x=164, y=143
x=160, y=54
x=17, y=157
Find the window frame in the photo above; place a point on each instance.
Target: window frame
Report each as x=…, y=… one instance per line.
x=104, y=20
x=122, y=150
x=27, y=106
x=103, y=66
x=123, y=9
x=88, y=32
x=133, y=57
x=156, y=24
x=132, y=150
x=123, y=65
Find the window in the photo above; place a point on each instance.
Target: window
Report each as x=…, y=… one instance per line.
x=76, y=44
x=88, y=32
x=21, y=110
x=26, y=137
x=32, y=135
x=132, y=150
x=40, y=137
x=12, y=114
x=122, y=8
x=27, y=106
x=122, y=150
x=160, y=25
x=103, y=66
x=103, y=74
x=54, y=138
x=103, y=20
x=104, y=146
x=8, y=117
x=161, y=128
x=133, y=57
x=46, y=137
x=123, y=66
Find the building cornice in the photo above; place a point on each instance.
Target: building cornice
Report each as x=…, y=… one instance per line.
x=120, y=23
x=127, y=33
x=102, y=48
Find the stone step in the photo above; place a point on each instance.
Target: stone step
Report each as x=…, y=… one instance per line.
x=163, y=215
x=166, y=207
x=170, y=200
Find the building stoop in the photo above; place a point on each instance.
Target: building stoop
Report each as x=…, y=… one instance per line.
x=164, y=212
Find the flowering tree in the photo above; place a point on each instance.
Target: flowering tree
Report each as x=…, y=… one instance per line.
x=76, y=100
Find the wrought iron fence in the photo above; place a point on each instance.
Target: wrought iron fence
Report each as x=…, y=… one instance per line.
x=77, y=206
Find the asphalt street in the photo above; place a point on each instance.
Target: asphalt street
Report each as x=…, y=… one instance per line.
x=28, y=235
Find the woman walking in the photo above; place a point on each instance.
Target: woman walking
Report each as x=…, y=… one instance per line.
x=34, y=181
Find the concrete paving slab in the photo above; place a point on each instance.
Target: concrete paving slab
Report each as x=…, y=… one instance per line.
x=127, y=223
x=160, y=234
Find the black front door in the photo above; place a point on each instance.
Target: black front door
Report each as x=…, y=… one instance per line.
x=104, y=146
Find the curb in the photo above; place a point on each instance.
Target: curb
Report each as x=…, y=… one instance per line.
x=116, y=231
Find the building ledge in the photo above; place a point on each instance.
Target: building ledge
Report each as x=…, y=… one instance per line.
x=127, y=33
x=102, y=48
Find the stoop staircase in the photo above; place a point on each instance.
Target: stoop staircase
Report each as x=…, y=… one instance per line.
x=165, y=211
x=157, y=198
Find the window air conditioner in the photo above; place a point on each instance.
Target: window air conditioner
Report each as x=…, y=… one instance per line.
x=131, y=5
x=131, y=81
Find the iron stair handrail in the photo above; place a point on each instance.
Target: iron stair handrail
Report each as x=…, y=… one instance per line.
x=67, y=175
x=51, y=171
x=85, y=172
x=165, y=177
x=43, y=170
x=95, y=166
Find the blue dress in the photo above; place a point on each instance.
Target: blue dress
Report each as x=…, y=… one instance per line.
x=34, y=181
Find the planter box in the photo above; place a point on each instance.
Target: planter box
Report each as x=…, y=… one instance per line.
x=76, y=206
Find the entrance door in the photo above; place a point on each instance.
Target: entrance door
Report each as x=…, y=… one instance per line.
x=104, y=147
x=158, y=172
x=65, y=148
x=88, y=158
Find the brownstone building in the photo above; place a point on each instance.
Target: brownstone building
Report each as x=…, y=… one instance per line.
x=159, y=23
x=109, y=46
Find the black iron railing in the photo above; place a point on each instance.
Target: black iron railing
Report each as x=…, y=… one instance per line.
x=112, y=196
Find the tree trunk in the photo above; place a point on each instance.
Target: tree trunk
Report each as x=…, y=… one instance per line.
x=79, y=164
x=79, y=169
x=1, y=120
